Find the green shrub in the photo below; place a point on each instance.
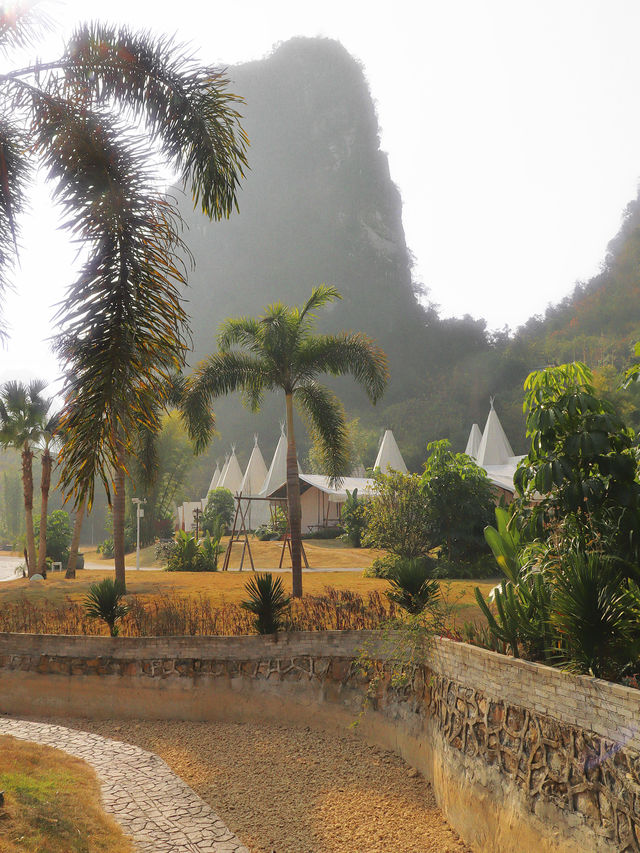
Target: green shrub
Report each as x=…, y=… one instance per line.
x=267, y=601
x=220, y=507
x=58, y=535
x=353, y=519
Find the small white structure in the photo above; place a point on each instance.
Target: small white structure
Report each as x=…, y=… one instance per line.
x=494, y=453
x=389, y=457
x=256, y=512
x=321, y=502
x=186, y=519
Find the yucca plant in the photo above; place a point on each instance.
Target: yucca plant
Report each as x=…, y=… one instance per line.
x=104, y=601
x=413, y=586
x=268, y=601
x=504, y=541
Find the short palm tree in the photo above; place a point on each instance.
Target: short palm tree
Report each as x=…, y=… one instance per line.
x=23, y=418
x=96, y=120
x=280, y=352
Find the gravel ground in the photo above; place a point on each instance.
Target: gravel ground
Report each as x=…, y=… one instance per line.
x=297, y=790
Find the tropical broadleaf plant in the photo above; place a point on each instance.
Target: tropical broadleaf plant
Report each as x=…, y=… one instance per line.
x=93, y=120
x=268, y=602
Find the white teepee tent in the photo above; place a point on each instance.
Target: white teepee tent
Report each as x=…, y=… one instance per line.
x=252, y=482
x=473, y=445
x=389, y=456
x=277, y=474
x=231, y=477
x=214, y=482
x=494, y=448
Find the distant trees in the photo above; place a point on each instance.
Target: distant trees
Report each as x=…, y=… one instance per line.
x=280, y=352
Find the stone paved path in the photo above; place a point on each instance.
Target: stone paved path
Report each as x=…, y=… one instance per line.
x=153, y=805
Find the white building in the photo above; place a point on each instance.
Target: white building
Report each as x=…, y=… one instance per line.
x=494, y=453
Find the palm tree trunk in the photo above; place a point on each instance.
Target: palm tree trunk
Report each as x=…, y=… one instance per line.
x=27, y=488
x=75, y=539
x=118, y=513
x=44, y=489
x=293, y=500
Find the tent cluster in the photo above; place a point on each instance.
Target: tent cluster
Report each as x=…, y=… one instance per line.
x=492, y=451
x=320, y=499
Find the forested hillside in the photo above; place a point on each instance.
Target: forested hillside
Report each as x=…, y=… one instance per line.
x=318, y=205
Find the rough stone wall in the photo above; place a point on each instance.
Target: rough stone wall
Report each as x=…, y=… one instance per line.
x=557, y=754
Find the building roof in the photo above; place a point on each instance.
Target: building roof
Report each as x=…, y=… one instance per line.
x=389, y=456
x=336, y=493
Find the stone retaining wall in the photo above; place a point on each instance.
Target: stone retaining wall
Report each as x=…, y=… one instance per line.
x=521, y=756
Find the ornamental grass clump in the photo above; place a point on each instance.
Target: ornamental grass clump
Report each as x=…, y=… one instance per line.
x=104, y=601
x=268, y=602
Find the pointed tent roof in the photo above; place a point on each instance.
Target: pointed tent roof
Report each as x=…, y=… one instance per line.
x=256, y=472
x=494, y=448
x=389, y=455
x=277, y=474
x=473, y=445
x=214, y=480
x=231, y=477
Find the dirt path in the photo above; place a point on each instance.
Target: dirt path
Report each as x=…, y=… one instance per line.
x=297, y=790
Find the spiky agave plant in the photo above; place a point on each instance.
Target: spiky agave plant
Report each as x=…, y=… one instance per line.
x=123, y=327
x=268, y=601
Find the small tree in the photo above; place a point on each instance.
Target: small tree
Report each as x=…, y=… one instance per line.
x=398, y=516
x=353, y=519
x=220, y=507
x=58, y=535
x=460, y=498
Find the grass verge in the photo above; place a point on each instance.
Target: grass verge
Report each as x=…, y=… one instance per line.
x=52, y=803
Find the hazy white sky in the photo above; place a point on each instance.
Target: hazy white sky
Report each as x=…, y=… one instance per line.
x=512, y=129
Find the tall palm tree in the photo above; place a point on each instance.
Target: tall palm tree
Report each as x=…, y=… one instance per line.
x=124, y=329
x=23, y=417
x=279, y=351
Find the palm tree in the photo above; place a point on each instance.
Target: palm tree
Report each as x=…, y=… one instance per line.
x=47, y=438
x=23, y=417
x=279, y=351
x=123, y=327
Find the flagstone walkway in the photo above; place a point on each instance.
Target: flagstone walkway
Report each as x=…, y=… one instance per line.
x=153, y=805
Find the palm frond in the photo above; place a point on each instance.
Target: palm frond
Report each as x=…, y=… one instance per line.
x=22, y=24
x=320, y=295
x=347, y=353
x=221, y=373
x=14, y=173
x=325, y=414
x=186, y=106
x=123, y=323
x=240, y=331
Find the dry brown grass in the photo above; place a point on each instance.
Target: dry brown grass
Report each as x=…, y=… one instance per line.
x=43, y=812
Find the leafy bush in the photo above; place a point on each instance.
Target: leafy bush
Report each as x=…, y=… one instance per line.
x=460, y=501
x=187, y=555
x=164, y=550
x=326, y=533
x=275, y=528
x=220, y=507
x=353, y=519
x=58, y=535
x=267, y=601
x=398, y=516
x=413, y=586
x=104, y=601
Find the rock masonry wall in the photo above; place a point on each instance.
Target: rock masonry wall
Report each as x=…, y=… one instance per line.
x=553, y=744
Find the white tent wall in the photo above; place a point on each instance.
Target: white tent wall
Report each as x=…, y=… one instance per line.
x=232, y=475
